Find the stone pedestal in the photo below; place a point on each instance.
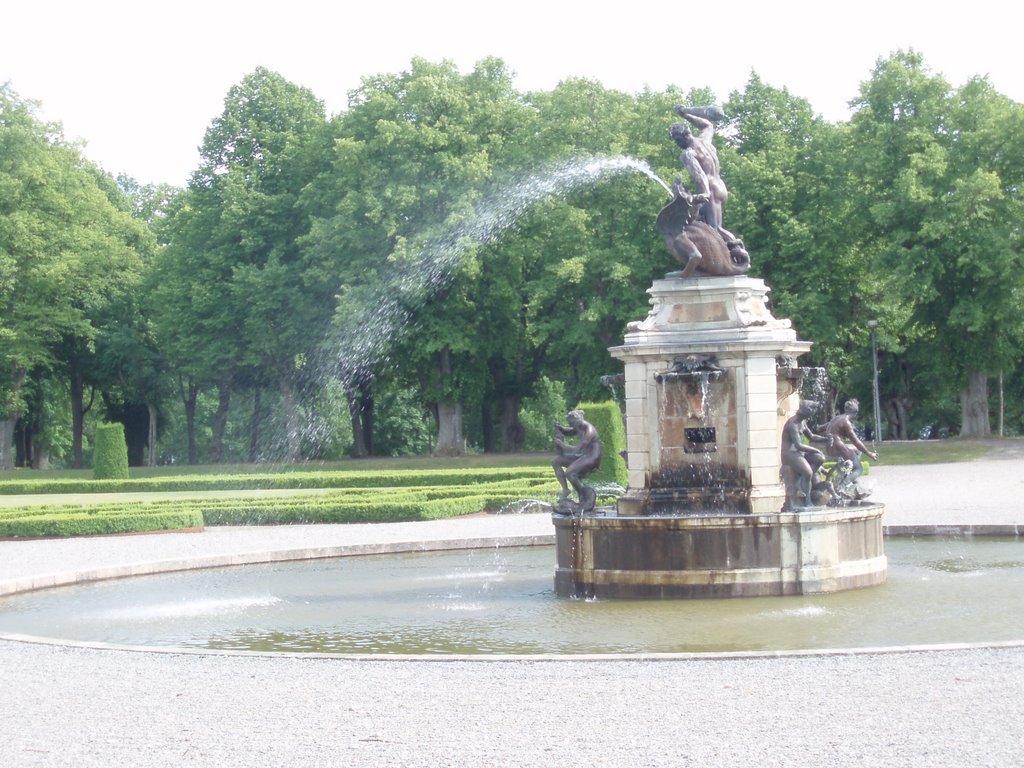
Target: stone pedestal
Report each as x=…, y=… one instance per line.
x=706, y=440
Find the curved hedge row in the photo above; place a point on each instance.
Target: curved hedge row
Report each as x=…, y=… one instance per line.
x=280, y=480
x=339, y=506
x=60, y=522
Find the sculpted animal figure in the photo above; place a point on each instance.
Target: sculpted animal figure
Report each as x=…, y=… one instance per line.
x=698, y=247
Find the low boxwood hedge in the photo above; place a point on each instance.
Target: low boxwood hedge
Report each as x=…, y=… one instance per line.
x=94, y=522
x=336, y=506
x=281, y=480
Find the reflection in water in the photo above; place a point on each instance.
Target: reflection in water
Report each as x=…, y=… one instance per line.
x=502, y=601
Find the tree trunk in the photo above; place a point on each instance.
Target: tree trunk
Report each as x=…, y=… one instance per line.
x=10, y=420
x=450, y=438
x=220, y=419
x=151, y=447
x=78, y=410
x=355, y=413
x=366, y=406
x=135, y=417
x=7, y=442
x=254, y=425
x=291, y=418
x=512, y=432
x=23, y=443
x=974, y=417
x=897, y=415
x=359, y=394
x=189, y=396
x=487, y=427
x=40, y=458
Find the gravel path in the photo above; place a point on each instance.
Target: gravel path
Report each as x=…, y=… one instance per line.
x=80, y=706
x=75, y=707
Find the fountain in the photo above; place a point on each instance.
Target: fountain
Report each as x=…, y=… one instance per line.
x=712, y=387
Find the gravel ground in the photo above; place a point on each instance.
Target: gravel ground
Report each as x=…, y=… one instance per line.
x=78, y=707
x=81, y=706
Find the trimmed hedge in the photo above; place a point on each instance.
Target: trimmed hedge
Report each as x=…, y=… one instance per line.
x=340, y=506
x=53, y=522
x=607, y=420
x=110, y=454
x=280, y=480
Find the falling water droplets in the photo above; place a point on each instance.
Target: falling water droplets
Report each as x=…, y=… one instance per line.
x=369, y=332
x=392, y=308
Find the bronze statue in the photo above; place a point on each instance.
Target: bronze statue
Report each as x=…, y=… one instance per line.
x=692, y=224
x=694, y=244
x=574, y=462
x=700, y=158
x=802, y=460
x=843, y=443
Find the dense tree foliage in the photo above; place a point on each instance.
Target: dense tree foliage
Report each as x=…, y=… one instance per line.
x=236, y=300
x=445, y=263
x=69, y=251
x=939, y=209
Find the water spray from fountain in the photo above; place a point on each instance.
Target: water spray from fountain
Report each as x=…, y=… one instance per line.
x=365, y=338
x=431, y=268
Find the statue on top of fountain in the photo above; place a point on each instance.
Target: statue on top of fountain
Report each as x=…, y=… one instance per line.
x=692, y=223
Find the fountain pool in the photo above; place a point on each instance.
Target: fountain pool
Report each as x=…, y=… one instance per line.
x=500, y=601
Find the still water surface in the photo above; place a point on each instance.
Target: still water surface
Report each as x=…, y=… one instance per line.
x=501, y=601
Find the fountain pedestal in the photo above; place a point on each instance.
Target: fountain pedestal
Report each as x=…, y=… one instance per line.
x=705, y=441
x=679, y=556
x=710, y=381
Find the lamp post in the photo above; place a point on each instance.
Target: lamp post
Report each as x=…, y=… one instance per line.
x=873, y=325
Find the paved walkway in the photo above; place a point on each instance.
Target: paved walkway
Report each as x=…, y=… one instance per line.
x=80, y=706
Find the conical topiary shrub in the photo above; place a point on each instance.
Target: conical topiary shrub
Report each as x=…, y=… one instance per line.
x=110, y=453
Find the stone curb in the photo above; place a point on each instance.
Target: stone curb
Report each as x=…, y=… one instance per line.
x=954, y=530
x=67, y=578
x=526, y=657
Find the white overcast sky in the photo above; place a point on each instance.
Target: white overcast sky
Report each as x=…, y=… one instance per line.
x=139, y=82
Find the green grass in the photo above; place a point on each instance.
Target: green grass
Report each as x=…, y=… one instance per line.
x=933, y=451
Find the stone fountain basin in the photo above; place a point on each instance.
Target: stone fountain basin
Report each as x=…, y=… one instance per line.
x=814, y=551
x=500, y=601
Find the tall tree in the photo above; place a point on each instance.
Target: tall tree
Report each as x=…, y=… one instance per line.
x=256, y=300
x=793, y=197
x=940, y=171
x=66, y=250
x=410, y=158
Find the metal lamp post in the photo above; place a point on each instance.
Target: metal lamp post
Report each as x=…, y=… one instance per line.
x=873, y=325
